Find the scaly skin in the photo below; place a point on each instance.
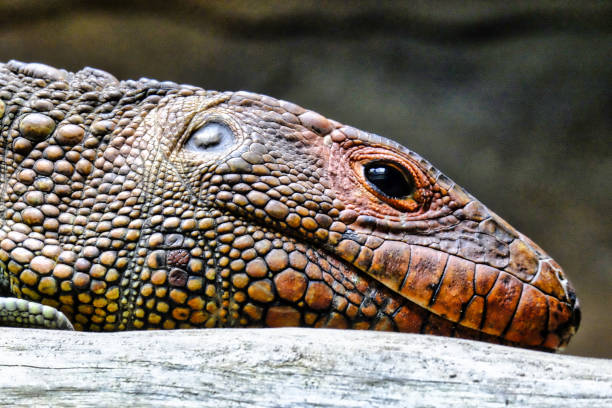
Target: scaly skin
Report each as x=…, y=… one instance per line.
x=111, y=217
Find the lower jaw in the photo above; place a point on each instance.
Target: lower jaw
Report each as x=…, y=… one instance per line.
x=394, y=312
x=405, y=316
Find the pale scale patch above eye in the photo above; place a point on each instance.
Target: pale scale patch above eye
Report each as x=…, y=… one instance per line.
x=212, y=137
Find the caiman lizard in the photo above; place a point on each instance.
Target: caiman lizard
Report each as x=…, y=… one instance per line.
x=145, y=204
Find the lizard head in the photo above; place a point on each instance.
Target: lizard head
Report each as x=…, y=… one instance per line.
x=144, y=204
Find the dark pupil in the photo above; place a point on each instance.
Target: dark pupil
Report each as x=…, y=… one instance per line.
x=388, y=180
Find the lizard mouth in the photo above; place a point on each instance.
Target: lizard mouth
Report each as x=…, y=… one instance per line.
x=536, y=311
x=540, y=324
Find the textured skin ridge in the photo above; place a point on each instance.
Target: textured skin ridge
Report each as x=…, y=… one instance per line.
x=119, y=211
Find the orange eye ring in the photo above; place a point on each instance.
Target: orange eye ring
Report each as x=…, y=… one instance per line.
x=365, y=158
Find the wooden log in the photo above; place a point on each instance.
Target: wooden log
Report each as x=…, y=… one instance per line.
x=291, y=367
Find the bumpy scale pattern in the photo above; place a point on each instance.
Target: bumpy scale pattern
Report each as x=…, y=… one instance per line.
x=109, y=219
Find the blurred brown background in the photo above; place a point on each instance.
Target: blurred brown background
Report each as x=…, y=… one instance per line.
x=510, y=99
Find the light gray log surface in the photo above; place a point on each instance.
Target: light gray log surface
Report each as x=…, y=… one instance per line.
x=288, y=367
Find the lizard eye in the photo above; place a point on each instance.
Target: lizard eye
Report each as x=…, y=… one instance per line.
x=392, y=178
x=389, y=180
x=212, y=137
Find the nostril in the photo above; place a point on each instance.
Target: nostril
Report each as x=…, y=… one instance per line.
x=577, y=314
x=572, y=297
